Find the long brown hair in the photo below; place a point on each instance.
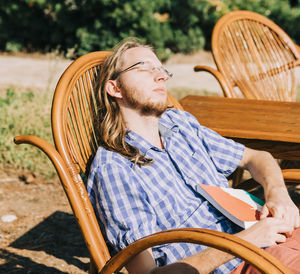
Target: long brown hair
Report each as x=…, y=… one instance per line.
x=110, y=126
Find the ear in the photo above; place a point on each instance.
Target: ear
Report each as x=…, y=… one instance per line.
x=112, y=88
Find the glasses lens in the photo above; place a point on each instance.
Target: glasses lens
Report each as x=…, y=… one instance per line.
x=168, y=73
x=147, y=66
x=160, y=69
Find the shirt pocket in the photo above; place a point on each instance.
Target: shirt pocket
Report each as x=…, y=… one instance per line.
x=170, y=214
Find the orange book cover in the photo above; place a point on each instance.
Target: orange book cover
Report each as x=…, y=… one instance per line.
x=238, y=205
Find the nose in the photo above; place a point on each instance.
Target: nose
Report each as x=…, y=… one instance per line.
x=161, y=74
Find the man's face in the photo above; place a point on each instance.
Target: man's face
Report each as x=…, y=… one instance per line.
x=143, y=86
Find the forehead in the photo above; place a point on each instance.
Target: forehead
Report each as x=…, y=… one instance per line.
x=138, y=54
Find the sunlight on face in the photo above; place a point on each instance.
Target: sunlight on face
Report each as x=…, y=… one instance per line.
x=141, y=102
x=143, y=90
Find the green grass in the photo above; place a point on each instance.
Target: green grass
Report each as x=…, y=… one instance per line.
x=25, y=111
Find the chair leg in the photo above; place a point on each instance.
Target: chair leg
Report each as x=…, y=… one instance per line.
x=289, y=164
x=237, y=177
x=93, y=269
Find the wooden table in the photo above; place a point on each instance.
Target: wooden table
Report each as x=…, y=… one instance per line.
x=266, y=125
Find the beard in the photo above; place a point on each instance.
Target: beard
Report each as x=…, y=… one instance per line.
x=143, y=104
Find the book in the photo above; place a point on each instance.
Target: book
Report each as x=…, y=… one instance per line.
x=238, y=205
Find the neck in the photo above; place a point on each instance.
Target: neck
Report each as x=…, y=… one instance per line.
x=145, y=126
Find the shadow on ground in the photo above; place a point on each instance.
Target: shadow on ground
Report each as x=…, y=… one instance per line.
x=58, y=235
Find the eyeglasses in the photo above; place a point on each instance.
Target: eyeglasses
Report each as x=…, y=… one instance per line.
x=146, y=66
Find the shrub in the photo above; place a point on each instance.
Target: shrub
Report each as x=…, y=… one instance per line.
x=80, y=26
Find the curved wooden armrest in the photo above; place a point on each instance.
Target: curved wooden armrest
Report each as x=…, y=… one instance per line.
x=52, y=154
x=223, y=241
x=81, y=211
x=291, y=175
x=227, y=90
x=47, y=148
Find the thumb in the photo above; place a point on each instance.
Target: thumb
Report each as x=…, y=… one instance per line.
x=264, y=212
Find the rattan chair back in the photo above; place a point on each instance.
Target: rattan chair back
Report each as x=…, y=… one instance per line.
x=73, y=109
x=255, y=55
x=75, y=140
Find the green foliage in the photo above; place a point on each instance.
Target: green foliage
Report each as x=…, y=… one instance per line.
x=203, y=14
x=21, y=114
x=81, y=26
x=107, y=22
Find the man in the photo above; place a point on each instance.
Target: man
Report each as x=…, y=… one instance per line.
x=145, y=173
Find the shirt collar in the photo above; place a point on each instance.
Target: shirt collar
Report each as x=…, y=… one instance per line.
x=166, y=129
x=166, y=126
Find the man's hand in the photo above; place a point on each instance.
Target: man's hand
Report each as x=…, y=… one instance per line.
x=265, y=170
x=280, y=206
x=266, y=232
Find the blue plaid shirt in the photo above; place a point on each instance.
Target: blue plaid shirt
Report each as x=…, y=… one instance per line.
x=135, y=201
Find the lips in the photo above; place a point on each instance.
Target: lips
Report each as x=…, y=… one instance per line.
x=160, y=90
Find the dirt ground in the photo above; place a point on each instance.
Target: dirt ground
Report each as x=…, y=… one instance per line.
x=44, y=71
x=45, y=237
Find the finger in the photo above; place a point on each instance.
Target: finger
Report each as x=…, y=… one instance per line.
x=290, y=232
x=289, y=218
x=277, y=213
x=281, y=226
x=287, y=231
x=297, y=221
x=296, y=217
x=280, y=238
x=292, y=218
x=264, y=212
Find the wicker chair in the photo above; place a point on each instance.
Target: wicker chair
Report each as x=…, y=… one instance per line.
x=255, y=55
x=255, y=59
x=76, y=144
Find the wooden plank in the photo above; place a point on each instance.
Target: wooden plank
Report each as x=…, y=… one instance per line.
x=247, y=119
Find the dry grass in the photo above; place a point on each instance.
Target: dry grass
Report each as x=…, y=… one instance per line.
x=25, y=112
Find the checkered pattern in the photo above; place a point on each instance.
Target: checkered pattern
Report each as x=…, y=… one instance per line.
x=135, y=201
